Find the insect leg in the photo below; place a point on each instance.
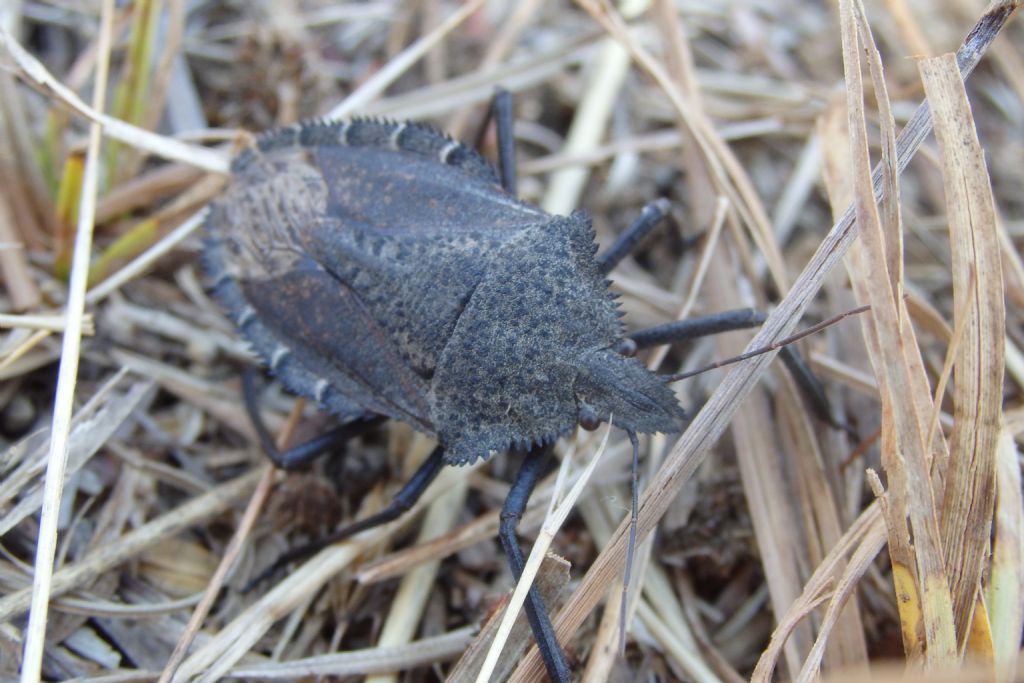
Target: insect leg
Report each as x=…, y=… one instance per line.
x=515, y=504
x=501, y=112
x=694, y=328
x=305, y=452
x=726, y=321
x=503, y=121
x=649, y=218
x=400, y=504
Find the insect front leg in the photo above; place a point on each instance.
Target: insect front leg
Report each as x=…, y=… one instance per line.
x=740, y=319
x=515, y=504
x=693, y=328
x=686, y=330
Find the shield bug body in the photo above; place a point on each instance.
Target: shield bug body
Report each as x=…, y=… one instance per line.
x=382, y=269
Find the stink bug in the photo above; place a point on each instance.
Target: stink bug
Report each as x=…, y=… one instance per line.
x=381, y=268
x=386, y=270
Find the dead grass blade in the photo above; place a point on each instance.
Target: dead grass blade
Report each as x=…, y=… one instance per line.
x=14, y=267
x=477, y=87
x=557, y=514
x=499, y=49
x=51, y=323
x=897, y=674
x=967, y=505
x=21, y=172
x=168, y=148
x=92, y=426
x=877, y=275
x=236, y=638
x=406, y=610
x=728, y=175
x=1005, y=590
x=145, y=260
x=482, y=528
x=712, y=420
x=775, y=502
x=131, y=544
x=590, y=121
x=56, y=465
x=858, y=564
x=657, y=604
x=865, y=536
x=552, y=583
x=216, y=582
x=822, y=526
x=231, y=553
x=397, y=66
x=376, y=660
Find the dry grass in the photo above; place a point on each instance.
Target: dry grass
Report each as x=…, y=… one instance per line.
x=787, y=547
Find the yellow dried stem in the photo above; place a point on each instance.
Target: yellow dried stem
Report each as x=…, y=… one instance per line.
x=1005, y=590
x=124, y=248
x=67, y=213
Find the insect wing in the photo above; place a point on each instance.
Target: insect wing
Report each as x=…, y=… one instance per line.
x=395, y=192
x=346, y=253
x=310, y=328
x=412, y=237
x=330, y=332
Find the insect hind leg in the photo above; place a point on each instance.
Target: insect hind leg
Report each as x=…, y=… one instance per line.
x=300, y=455
x=650, y=217
x=512, y=511
x=403, y=501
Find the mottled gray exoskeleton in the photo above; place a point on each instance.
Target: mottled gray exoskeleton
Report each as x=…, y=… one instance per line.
x=380, y=268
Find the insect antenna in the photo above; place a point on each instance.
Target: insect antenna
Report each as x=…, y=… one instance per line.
x=781, y=344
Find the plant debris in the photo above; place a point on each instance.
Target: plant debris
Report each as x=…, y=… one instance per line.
x=787, y=549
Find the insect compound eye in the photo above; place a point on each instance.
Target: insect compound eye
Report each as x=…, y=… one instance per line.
x=625, y=347
x=588, y=417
